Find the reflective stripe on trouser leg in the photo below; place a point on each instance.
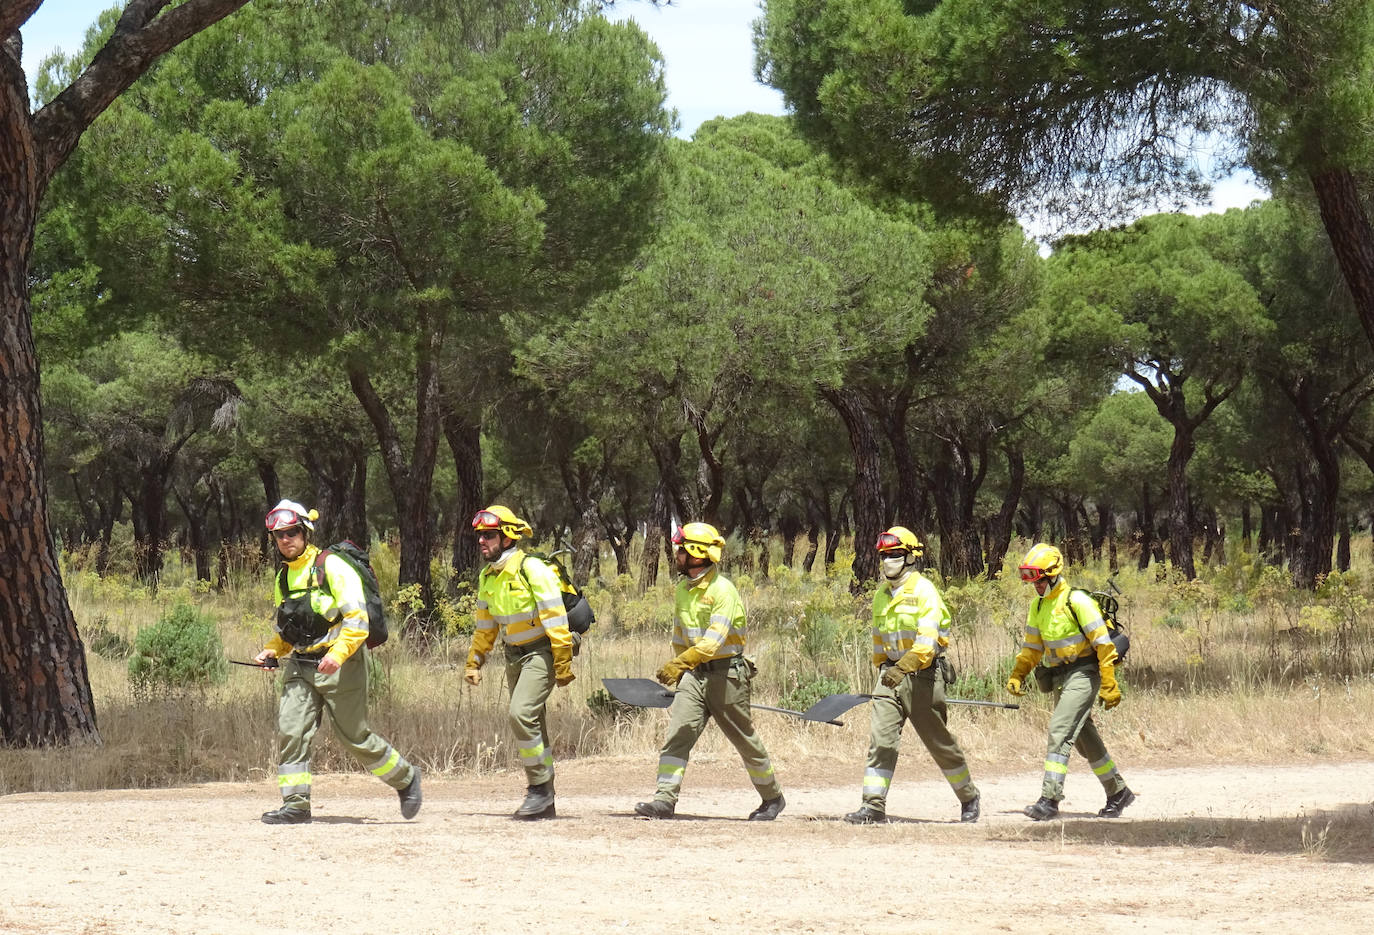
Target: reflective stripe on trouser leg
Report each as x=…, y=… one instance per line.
x=686, y=720
x=530, y=678
x=1077, y=691
x=294, y=781
x=727, y=698
x=885, y=719
x=1092, y=749
x=670, y=771
x=299, y=710
x=345, y=698
x=923, y=697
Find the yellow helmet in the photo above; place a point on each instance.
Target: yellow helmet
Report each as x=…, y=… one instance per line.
x=701, y=540
x=1042, y=561
x=900, y=539
x=501, y=517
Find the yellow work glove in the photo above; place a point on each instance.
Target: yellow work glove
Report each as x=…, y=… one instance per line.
x=563, y=679
x=1109, y=693
x=1019, y=669
x=472, y=675
x=671, y=672
x=892, y=676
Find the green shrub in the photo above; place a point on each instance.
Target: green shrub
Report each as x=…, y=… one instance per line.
x=106, y=643
x=602, y=705
x=806, y=693
x=182, y=650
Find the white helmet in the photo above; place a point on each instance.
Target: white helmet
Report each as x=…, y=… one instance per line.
x=289, y=513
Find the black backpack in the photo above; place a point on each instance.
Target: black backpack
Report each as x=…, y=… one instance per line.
x=372, y=596
x=579, y=611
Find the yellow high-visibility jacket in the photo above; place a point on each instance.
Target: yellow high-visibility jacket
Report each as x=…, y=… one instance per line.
x=912, y=617
x=525, y=605
x=708, y=619
x=343, y=604
x=1054, y=636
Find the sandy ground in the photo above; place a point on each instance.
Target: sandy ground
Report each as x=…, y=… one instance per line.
x=1209, y=849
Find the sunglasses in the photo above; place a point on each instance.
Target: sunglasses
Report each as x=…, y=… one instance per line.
x=488, y=534
x=290, y=533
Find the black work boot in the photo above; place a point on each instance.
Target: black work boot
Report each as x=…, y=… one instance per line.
x=968, y=811
x=866, y=815
x=410, y=795
x=538, y=803
x=768, y=809
x=1116, y=804
x=1042, y=809
x=286, y=815
x=655, y=808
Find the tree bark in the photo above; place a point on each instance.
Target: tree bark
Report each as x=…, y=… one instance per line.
x=1352, y=237
x=410, y=479
x=464, y=438
x=867, y=488
x=999, y=526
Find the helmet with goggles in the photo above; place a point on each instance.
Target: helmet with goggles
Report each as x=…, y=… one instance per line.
x=288, y=514
x=1042, y=561
x=899, y=539
x=700, y=540
x=501, y=518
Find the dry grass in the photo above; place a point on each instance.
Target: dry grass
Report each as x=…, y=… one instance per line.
x=1233, y=667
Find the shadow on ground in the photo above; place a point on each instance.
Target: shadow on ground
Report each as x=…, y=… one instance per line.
x=1344, y=834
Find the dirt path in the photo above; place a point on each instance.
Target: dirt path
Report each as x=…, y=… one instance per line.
x=1216, y=849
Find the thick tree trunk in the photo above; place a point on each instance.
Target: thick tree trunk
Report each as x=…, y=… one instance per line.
x=464, y=438
x=1343, y=543
x=411, y=480
x=197, y=532
x=999, y=526
x=584, y=493
x=45, y=693
x=1145, y=529
x=654, y=538
x=1180, y=512
x=868, y=492
x=1352, y=237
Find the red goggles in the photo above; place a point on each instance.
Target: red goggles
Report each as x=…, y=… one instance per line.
x=486, y=519
x=678, y=536
x=887, y=542
x=1031, y=574
x=282, y=519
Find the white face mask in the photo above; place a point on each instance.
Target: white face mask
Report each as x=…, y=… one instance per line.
x=894, y=565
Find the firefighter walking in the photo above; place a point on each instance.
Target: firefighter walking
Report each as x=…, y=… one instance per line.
x=711, y=674
x=910, y=638
x=519, y=598
x=1066, y=634
x=320, y=629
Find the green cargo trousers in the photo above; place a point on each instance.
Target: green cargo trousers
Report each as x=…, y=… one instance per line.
x=720, y=690
x=919, y=698
x=306, y=696
x=529, y=673
x=1071, y=727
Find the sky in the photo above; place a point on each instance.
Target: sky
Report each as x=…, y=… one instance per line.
x=707, y=50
